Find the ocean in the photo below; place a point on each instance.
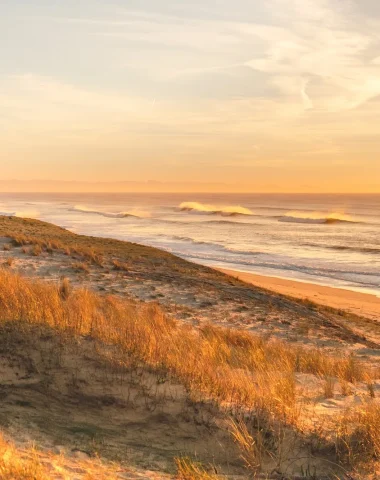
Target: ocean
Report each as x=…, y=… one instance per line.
x=331, y=240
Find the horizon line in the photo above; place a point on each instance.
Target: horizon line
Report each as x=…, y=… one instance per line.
x=191, y=192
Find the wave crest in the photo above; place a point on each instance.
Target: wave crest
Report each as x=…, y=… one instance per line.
x=316, y=218
x=369, y=250
x=83, y=209
x=229, y=211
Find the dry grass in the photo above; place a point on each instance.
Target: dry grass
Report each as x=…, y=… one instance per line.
x=36, y=250
x=81, y=267
x=232, y=367
x=39, y=245
x=358, y=435
x=329, y=387
x=371, y=389
x=13, y=466
x=91, y=255
x=120, y=266
x=252, y=449
x=9, y=261
x=345, y=388
x=65, y=288
x=235, y=370
x=29, y=463
x=25, y=232
x=189, y=470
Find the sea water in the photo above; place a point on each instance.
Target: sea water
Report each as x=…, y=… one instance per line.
x=331, y=240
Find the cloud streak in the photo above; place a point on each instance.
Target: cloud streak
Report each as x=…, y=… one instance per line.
x=278, y=82
x=326, y=48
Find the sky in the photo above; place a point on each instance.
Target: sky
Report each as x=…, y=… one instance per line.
x=258, y=96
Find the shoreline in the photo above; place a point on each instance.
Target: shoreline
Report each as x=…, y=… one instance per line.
x=362, y=304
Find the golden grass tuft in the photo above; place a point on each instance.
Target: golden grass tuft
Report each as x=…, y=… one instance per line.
x=120, y=266
x=65, y=288
x=39, y=245
x=189, y=470
x=81, y=267
x=358, y=434
x=9, y=262
x=28, y=463
x=252, y=449
x=36, y=250
x=16, y=467
x=329, y=387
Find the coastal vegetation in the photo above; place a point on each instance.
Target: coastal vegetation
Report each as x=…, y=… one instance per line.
x=251, y=381
x=160, y=382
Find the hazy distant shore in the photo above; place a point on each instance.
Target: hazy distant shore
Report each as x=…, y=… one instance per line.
x=363, y=304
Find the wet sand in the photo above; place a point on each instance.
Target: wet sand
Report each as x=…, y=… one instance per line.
x=362, y=304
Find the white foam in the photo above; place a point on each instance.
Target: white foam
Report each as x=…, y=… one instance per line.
x=214, y=210
x=84, y=209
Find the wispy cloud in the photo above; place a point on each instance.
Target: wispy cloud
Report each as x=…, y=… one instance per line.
x=309, y=48
x=325, y=48
x=195, y=82
x=159, y=29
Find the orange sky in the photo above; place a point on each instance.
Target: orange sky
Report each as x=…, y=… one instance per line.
x=279, y=96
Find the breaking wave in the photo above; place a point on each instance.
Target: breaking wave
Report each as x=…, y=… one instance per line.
x=229, y=211
x=191, y=240
x=230, y=222
x=345, y=248
x=316, y=218
x=83, y=209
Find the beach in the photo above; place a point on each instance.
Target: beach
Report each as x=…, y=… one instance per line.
x=90, y=306
x=362, y=304
x=190, y=240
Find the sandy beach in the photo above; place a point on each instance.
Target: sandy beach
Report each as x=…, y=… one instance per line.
x=354, y=302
